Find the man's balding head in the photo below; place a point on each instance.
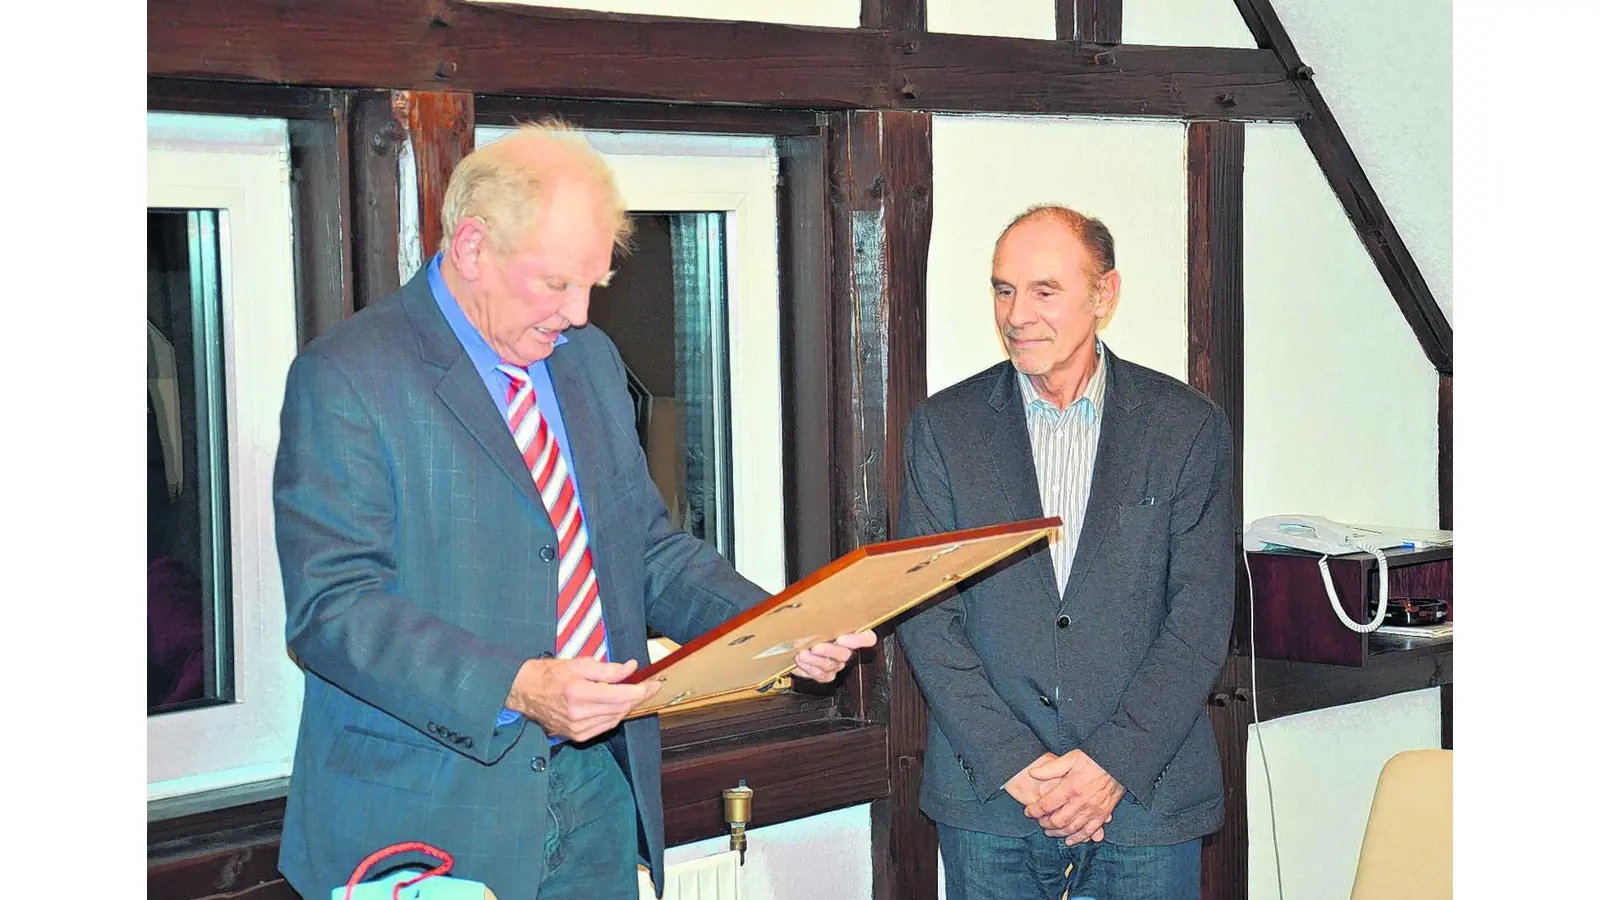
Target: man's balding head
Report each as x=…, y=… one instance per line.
x=1096, y=238
x=507, y=183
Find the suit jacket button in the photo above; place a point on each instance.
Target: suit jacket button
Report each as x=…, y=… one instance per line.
x=547, y=553
x=1063, y=621
x=537, y=764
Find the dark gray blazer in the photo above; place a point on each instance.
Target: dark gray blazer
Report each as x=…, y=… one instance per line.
x=1120, y=664
x=418, y=576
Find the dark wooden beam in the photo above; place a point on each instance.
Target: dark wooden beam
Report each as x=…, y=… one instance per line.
x=269, y=100
x=623, y=115
x=377, y=131
x=1089, y=21
x=811, y=382
x=1447, y=439
x=824, y=766
x=1287, y=688
x=1225, y=854
x=1447, y=717
x=895, y=15
x=1216, y=274
x=440, y=126
x=423, y=45
x=1360, y=200
x=319, y=151
x=881, y=169
x=1215, y=158
x=961, y=72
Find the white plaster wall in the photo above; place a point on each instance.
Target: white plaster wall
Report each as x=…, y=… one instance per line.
x=827, y=855
x=1341, y=406
x=986, y=170
x=1384, y=69
x=1005, y=18
x=1185, y=23
x=1323, y=768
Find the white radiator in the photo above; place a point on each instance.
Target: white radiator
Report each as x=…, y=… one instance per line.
x=716, y=877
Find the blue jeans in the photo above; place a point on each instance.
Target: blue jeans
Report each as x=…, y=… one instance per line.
x=981, y=866
x=591, y=844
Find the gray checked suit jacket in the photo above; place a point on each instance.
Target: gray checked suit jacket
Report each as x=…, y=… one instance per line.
x=419, y=574
x=1119, y=665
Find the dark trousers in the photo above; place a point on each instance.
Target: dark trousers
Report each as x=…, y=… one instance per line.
x=981, y=866
x=591, y=845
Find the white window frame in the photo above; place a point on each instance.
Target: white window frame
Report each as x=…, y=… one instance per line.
x=241, y=167
x=738, y=176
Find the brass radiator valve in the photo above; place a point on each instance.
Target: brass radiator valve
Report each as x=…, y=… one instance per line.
x=736, y=809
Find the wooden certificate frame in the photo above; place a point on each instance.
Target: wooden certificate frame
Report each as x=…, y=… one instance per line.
x=860, y=590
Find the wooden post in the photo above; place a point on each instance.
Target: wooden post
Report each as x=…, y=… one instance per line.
x=881, y=169
x=1216, y=368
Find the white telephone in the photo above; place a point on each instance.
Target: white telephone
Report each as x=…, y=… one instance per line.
x=1329, y=538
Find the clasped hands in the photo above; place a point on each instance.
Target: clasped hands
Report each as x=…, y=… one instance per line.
x=1070, y=796
x=584, y=698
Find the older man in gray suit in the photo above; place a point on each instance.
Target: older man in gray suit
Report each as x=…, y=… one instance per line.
x=1068, y=748
x=472, y=549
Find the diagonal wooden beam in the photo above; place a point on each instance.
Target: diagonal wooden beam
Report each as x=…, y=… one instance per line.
x=1356, y=194
x=1089, y=21
x=429, y=46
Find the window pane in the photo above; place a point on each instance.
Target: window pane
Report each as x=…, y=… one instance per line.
x=188, y=535
x=675, y=283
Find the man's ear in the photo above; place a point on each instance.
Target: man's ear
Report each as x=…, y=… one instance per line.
x=465, y=248
x=1106, y=294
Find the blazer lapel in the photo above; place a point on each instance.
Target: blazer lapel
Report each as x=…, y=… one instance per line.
x=461, y=388
x=590, y=458
x=1120, y=433
x=1011, y=453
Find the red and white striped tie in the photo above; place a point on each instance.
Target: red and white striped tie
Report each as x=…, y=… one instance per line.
x=580, y=631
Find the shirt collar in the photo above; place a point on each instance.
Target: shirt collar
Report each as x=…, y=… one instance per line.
x=483, y=357
x=1094, y=393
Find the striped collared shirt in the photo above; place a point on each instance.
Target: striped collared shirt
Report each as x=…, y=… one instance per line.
x=1064, y=443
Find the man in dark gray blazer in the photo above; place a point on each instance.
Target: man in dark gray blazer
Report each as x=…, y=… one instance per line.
x=472, y=549
x=1068, y=748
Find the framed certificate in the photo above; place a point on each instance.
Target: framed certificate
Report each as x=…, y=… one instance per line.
x=860, y=590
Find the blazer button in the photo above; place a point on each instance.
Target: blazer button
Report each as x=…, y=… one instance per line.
x=1063, y=621
x=547, y=553
x=537, y=764
x=1045, y=700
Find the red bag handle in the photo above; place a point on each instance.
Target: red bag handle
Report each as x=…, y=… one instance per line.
x=394, y=850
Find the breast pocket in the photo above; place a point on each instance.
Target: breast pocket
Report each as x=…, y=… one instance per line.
x=1143, y=526
x=1144, y=512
